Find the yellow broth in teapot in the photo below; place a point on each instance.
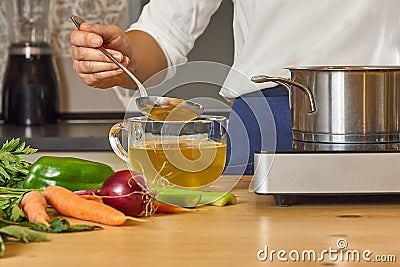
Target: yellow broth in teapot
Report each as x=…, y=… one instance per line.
x=186, y=163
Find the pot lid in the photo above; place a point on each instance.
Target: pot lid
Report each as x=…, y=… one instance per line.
x=347, y=68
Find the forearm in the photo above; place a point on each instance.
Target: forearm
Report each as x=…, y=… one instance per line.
x=148, y=57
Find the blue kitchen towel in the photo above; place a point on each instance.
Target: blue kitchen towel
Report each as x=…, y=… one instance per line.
x=259, y=121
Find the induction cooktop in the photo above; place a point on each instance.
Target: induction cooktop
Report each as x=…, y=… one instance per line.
x=288, y=175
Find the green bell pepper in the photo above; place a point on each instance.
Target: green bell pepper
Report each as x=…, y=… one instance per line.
x=69, y=172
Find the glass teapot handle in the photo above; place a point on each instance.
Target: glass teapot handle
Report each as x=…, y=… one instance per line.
x=114, y=136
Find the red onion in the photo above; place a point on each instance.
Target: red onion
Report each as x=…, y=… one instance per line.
x=126, y=191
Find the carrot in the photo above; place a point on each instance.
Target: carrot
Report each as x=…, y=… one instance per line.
x=34, y=205
x=93, y=197
x=169, y=208
x=70, y=204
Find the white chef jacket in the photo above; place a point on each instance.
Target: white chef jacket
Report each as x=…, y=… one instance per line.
x=270, y=35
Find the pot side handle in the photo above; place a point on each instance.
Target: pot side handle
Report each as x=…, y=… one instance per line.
x=287, y=83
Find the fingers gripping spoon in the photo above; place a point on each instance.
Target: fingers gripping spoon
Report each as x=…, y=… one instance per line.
x=78, y=21
x=155, y=107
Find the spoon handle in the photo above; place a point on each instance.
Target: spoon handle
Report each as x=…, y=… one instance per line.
x=142, y=91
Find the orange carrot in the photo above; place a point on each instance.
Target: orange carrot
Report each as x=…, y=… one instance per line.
x=169, y=208
x=34, y=205
x=93, y=197
x=70, y=204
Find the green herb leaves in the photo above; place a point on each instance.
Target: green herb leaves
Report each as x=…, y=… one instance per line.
x=22, y=234
x=10, y=199
x=58, y=225
x=13, y=168
x=19, y=233
x=16, y=148
x=30, y=232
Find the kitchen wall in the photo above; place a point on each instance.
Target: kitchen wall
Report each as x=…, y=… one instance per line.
x=76, y=97
x=215, y=45
x=3, y=40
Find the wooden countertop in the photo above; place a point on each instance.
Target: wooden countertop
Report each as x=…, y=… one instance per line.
x=230, y=236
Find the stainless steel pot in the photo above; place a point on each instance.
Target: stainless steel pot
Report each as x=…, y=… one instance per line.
x=343, y=104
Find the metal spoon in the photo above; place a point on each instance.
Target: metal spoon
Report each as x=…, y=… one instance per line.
x=155, y=107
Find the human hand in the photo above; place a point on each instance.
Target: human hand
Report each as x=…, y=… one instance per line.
x=91, y=65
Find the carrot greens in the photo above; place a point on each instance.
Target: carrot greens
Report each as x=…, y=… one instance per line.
x=19, y=233
x=13, y=167
x=10, y=199
x=57, y=225
x=14, y=224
